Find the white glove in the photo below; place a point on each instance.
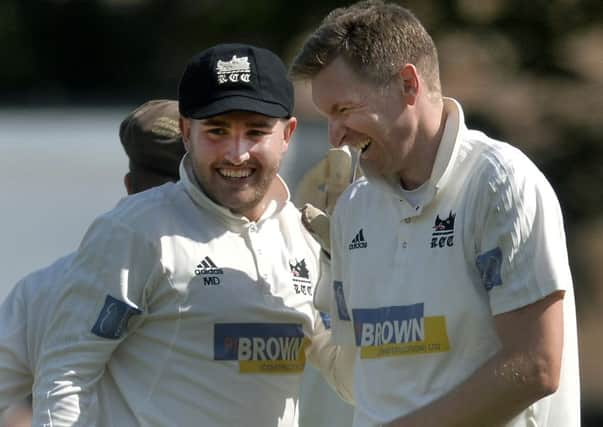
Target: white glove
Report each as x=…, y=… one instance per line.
x=320, y=188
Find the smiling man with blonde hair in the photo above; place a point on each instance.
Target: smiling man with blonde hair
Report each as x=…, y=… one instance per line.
x=449, y=262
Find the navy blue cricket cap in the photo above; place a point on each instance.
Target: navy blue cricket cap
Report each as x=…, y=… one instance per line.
x=230, y=77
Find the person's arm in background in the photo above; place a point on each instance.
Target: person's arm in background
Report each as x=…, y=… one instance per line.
x=105, y=286
x=16, y=377
x=24, y=318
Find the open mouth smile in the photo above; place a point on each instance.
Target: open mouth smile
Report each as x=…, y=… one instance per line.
x=362, y=145
x=238, y=173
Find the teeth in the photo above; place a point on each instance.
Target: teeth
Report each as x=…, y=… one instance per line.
x=362, y=146
x=235, y=173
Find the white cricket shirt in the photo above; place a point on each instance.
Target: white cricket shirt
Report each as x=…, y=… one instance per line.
x=416, y=287
x=175, y=312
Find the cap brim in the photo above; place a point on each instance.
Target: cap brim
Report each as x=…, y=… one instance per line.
x=239, y=103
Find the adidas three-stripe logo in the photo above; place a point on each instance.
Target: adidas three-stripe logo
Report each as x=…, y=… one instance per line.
x=358, y=241
x=207, y=263
x=207, y=266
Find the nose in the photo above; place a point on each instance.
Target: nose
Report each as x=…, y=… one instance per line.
x=237, y=152
x=336, y=133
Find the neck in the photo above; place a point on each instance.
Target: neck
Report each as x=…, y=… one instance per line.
x=277, y=193
x=429, y=132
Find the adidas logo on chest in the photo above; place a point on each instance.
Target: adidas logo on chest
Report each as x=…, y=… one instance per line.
x=358, y=242
x=209, y=271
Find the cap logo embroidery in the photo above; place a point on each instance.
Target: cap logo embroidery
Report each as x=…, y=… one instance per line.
x=233, y=71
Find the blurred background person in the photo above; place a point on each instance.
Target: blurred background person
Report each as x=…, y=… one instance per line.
x=152, y=141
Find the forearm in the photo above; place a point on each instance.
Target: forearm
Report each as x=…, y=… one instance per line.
x=14, y=387
x=526, y=369
x=67, y=404
x=70, y=367
x=15, y=377
x=498, y=391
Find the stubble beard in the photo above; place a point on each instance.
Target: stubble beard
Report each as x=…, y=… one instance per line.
x=222, y=195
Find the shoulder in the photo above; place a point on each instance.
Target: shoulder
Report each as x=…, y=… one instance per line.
x=499, y=167
x=149, y=212
x=357, y=190
x=147, y=204
x=44, y=280
x=505, y=186
x=139, y=219
x=360, y=195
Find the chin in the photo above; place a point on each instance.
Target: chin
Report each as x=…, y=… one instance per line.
x=239, y=206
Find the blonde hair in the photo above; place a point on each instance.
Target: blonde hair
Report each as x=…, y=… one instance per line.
x=375, y=39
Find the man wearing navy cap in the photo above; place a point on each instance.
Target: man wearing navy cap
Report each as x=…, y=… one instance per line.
x=191, y=304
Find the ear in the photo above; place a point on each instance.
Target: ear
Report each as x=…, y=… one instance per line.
x=411, y=83
x=288, y=131
x=128, y=183
x=185, y=129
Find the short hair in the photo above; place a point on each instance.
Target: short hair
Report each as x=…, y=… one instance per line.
x=375, y=39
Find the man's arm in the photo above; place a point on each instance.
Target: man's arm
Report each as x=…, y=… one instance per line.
x=104, y=287
x=524, y=370
x=15, y=375
x=335, y=363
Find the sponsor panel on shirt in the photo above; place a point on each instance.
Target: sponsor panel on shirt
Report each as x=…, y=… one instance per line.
x=267, y=348
x=398, y=331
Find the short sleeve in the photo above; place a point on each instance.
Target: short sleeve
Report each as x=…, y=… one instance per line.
x=520, y=248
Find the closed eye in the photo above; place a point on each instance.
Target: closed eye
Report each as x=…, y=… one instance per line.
x=257, y=133
x=216, y=131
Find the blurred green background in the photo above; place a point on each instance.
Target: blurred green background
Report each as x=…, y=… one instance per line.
x=529, y=72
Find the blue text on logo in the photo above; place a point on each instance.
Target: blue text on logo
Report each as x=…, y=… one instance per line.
x=385, y=325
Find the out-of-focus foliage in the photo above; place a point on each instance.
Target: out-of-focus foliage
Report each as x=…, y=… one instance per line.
x=530, y=72
x=93, y=50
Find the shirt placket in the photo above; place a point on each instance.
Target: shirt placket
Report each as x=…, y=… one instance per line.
x=260, y=255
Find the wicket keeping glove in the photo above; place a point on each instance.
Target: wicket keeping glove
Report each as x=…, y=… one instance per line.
x=317, y=193
x=319, y=189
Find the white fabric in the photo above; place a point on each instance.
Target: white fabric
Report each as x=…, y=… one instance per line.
x=416, y=196
x=24, y=315
x=217, y=321
x=420, y=310
x=319, y=404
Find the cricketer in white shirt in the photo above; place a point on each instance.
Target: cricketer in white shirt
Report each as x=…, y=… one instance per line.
x=170, y=323
x=416, y=286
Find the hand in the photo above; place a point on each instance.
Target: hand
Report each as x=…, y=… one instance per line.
x=318, y=223
x=320, y=188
